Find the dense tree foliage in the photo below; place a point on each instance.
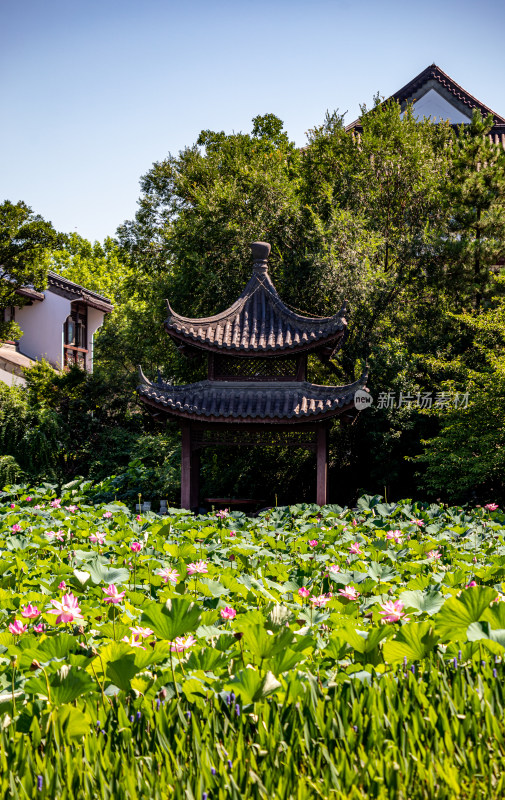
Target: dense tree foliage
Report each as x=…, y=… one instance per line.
x=26, y=241
x=405, y=221
x=384, y=219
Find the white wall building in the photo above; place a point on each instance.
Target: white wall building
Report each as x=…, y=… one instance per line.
x=58, y=325
x=438, y=97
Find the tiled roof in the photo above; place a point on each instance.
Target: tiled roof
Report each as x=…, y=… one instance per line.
x=258, y=322
x=31, y=294
x=254, y=402
x=73, y=291
x=434, y=73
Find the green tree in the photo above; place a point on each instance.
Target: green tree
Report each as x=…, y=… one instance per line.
x=474, y=244
x=345, y=219
x=103, y=268
x=465, y=460
x=405, y=221
x=26, y=241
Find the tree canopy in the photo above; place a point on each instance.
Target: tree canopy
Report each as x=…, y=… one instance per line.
x=405, y=221
x=26, y=241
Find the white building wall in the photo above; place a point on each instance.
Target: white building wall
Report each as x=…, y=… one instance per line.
x=433, y=105
x=42, y=326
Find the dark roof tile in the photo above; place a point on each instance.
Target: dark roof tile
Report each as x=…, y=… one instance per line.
x=258, y=322
x=258, y=402
x=73, y=291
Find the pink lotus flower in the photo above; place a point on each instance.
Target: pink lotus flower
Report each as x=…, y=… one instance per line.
x=313, y=542
x=470, y=585
x=197, y=567
x=182, y=643
x=17, y=628
x=434, y=555
x=67, y=609
x=71, y=509
x=334, y=568
x=491, y=507
x=133, y=643
x=355, y=523
x=136, y=547
x=113, y=596
x=228, y=613
x=355, y=548
x=168, y=575
x=56, y=535
x=320, y=602
x=28, y=499
x=40, y=628
x=222, y=514
x=107, y=514
x=349, y=593
x=392, y=611
x=303, y=592
x=37, y=507
x=13, y=505
x=419, y=522
x=396, y=535
x=55, y=503
x=30, y=612
x=97, y=537
x=62, y=585
x=138, y=518
x=141, y=633
x=232, y=534
x=16, y=527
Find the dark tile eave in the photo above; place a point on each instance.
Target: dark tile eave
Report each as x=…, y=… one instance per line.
x=277, y=349
x=248, y=402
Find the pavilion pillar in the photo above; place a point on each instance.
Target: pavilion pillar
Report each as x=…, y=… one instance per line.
x=322, y=465
x=194, y=491
x=186, y=467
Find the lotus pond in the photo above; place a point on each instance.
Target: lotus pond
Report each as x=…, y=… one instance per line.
x=304, y=653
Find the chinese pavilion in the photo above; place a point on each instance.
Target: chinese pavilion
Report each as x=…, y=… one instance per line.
x=256, y=392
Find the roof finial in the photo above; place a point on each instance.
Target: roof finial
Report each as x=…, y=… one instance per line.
x=260, y=253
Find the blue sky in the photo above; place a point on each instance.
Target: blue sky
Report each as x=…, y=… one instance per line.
x=94, y=92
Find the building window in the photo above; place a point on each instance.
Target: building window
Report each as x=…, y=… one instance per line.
x=75, y=341
x=9, y=314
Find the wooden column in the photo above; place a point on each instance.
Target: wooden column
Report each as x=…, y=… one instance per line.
x=322, y=465
x=194, y=492
x=186, y=468
x=190, y=471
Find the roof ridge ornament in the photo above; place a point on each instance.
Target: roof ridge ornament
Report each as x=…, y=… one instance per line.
x=260, y=252
x=142, y=378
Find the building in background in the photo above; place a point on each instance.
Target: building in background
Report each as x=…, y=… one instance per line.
x=58, y=325
x=434, y=94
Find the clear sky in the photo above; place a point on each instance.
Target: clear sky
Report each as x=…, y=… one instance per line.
x=93, y=92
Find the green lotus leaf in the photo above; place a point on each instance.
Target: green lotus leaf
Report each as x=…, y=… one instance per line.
x=175, y=618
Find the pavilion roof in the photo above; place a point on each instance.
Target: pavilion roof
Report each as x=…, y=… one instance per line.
x=259, y=322
x=250, y=402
